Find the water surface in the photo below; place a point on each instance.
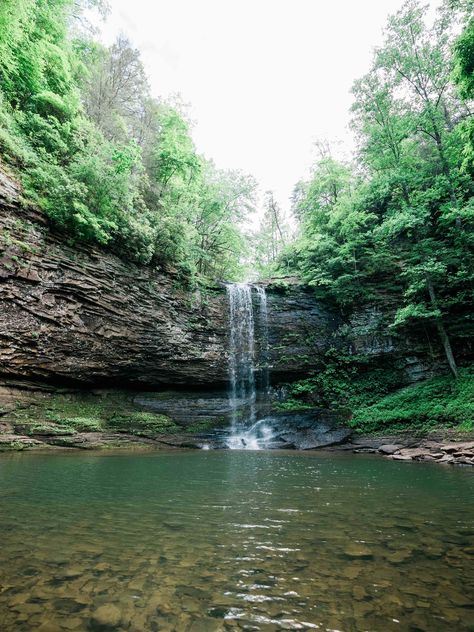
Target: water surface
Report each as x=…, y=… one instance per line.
x=212, y=541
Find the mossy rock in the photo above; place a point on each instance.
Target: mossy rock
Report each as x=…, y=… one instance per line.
x=44, y=428
x=139, y=422
x=84, y=424
x=206, y=425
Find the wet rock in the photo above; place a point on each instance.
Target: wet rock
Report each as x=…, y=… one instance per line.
x=459, y=600
x=191, y=591
x=351, y=572
x=308, y=430
x=81, y=314
x=458, y=447
x=389, y=448
x=206, y=624
x=107, y=615
x=50, y=626
x=359, y=593
x=413, y=453
x=447, y=458
x=67, y=605
x=358, y=550
x=398, y=557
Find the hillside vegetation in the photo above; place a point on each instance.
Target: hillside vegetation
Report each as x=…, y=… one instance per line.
x=109, y=163
x=393, y=227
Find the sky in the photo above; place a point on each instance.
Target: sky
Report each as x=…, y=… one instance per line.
x=265, y=79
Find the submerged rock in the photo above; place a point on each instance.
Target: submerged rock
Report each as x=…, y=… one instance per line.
x=358, y=550
x=107, y=615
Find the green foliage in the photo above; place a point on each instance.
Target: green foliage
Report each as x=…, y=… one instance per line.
x=344, y=380
x=441, y=401
x=205, y=425
x=272, y=238
x=83, y=424
x=378, y=399
x=463, y=75
x=293, y=405
x=398, y=226
x=464, y=61
x=109, y=164
x=48, y=429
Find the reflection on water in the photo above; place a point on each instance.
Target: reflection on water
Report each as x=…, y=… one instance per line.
x=209, y=541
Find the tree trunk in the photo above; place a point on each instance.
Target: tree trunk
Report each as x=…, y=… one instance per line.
x=443, y=334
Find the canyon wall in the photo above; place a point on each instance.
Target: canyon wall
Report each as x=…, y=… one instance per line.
x=72, y=313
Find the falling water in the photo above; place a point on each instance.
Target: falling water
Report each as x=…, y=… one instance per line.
x=262, y=296
x=246, y=432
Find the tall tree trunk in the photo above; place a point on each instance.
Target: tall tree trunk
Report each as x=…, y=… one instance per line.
x=443, y=334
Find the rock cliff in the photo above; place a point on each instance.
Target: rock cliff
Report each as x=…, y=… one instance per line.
x=71, y=313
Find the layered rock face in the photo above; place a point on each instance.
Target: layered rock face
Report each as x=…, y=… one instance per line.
x=74, y=313
x=78, y=314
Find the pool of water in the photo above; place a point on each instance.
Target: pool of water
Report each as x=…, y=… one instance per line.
x=208, y=541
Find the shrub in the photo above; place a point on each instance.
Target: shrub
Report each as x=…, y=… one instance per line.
x=441, y=401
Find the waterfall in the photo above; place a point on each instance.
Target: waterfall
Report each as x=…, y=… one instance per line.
x=245, y=431
x=262, y=297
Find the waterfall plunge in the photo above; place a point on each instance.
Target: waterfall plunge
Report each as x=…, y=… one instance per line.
x=246, y=433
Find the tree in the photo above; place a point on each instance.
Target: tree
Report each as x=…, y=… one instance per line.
x=226, y=201
x=107, y=162
x=114, y=88
x=398, y=226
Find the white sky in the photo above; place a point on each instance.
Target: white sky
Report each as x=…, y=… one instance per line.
x=265, y=78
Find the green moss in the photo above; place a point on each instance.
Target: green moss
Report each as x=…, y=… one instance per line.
x=293, y=405
x=48, y=429
x=64, y=409
x=142, y=422
x=112, y=411
x=13, y=446
x=206, y=425
x=70, y=413
x=84, y=424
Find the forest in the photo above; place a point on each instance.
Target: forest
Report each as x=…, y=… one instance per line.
x=395, y=225
x=219, y=412
x=113, y=165
x=109, y=163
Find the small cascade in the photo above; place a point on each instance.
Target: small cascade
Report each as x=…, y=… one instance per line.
x=246, y=433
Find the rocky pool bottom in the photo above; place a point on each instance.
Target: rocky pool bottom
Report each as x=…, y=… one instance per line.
x=209, y=541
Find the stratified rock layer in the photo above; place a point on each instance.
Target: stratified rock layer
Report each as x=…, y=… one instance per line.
x=76, y=313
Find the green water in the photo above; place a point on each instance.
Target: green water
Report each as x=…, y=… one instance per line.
x=207, y=541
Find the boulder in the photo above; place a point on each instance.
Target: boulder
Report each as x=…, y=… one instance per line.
x=308, y=430
x=389, y=448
